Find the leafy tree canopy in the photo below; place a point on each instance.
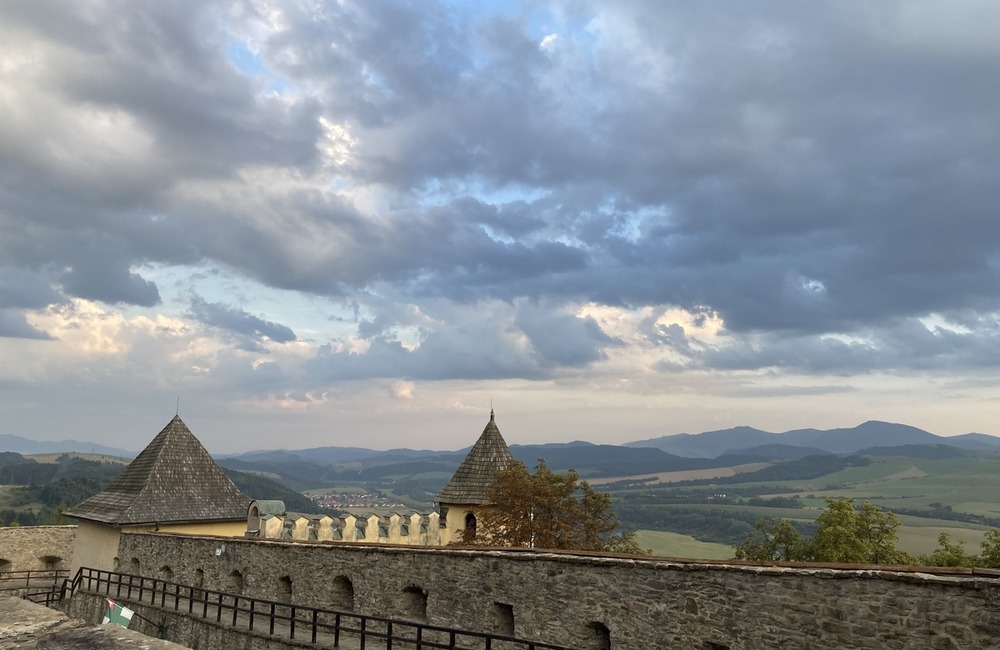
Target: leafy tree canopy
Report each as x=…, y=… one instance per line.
x=857, y=535
x=844, y=533
x=550, y=510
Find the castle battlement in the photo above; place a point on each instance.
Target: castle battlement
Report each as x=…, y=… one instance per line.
x=267, y=520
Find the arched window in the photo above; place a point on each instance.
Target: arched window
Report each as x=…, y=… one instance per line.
x=285, y=589
x=253, y=518
x=415, y=603
x=134, y=566
x=166, y=573
x=469, y=532
x=342, y=594
x=4, y=565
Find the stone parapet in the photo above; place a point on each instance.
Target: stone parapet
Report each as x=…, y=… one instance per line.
x=595, y=601
x=30, y=548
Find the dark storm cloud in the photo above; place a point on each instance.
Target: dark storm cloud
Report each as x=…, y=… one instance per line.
x=13, y=325
x=21, y=288
x=238, y=321
x=800, y=170
x=561, y=339
x=109, y=281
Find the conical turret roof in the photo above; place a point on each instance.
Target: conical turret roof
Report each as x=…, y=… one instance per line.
x=474, y=476
x=174, y=479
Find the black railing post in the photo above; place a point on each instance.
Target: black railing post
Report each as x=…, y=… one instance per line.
x=363, y=635
x=388, y=635
x=218, y=611
x=420, y=637
x=236, y=608
x=315, y=620
x=291, y=623
x=253, y=610
x=336, y=631
x=271, y=630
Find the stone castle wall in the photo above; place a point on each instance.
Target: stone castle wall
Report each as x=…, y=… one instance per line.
x=32, y=548
x=590, y=601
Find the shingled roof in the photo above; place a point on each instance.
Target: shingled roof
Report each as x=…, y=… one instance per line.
x=474, y=476
x=172, y=480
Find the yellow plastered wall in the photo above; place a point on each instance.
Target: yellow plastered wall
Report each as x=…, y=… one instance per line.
x=97, y=544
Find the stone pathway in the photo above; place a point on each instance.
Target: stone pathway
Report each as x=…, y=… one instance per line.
x=25, y=625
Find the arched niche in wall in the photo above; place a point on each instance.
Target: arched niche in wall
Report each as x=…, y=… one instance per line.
x=234, y=582
x=415, y=603
x=51, y=562
x=503, y=618
x=342, y=594
x=600, y=636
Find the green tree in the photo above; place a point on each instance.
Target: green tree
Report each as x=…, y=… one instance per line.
x=550, y=510
x=773, y=540
x=990, y=556
x=865, y=535
x=949, y=553
x=878, y=531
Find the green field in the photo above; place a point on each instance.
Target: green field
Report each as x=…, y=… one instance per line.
x=941, y=490
x=914, y=539
x=666, y=544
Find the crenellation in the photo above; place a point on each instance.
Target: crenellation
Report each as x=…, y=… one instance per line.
x=412, y=529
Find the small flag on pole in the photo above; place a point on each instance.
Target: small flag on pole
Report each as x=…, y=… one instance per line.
x=117, y=614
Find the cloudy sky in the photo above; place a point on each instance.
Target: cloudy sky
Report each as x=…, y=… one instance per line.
x=359, y=222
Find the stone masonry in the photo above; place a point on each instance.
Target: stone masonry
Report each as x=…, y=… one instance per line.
x=31, y=548
x=590, y=601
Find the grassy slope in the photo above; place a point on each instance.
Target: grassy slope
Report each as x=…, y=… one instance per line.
x=668, y=544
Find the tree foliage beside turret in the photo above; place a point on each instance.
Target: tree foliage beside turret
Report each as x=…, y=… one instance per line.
x=551, y=510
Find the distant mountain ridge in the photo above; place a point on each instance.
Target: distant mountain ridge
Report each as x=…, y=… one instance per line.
x=725, y=447
x=19, y=445
x=712, y=444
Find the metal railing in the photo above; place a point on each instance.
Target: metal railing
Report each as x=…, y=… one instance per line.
x=296, y=622
x=39, y=585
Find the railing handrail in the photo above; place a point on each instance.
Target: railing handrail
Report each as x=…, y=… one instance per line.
x=37, y=585
x=27, y=573
x=272, y=610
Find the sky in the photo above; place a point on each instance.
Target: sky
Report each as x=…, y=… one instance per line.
x=364, y=223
